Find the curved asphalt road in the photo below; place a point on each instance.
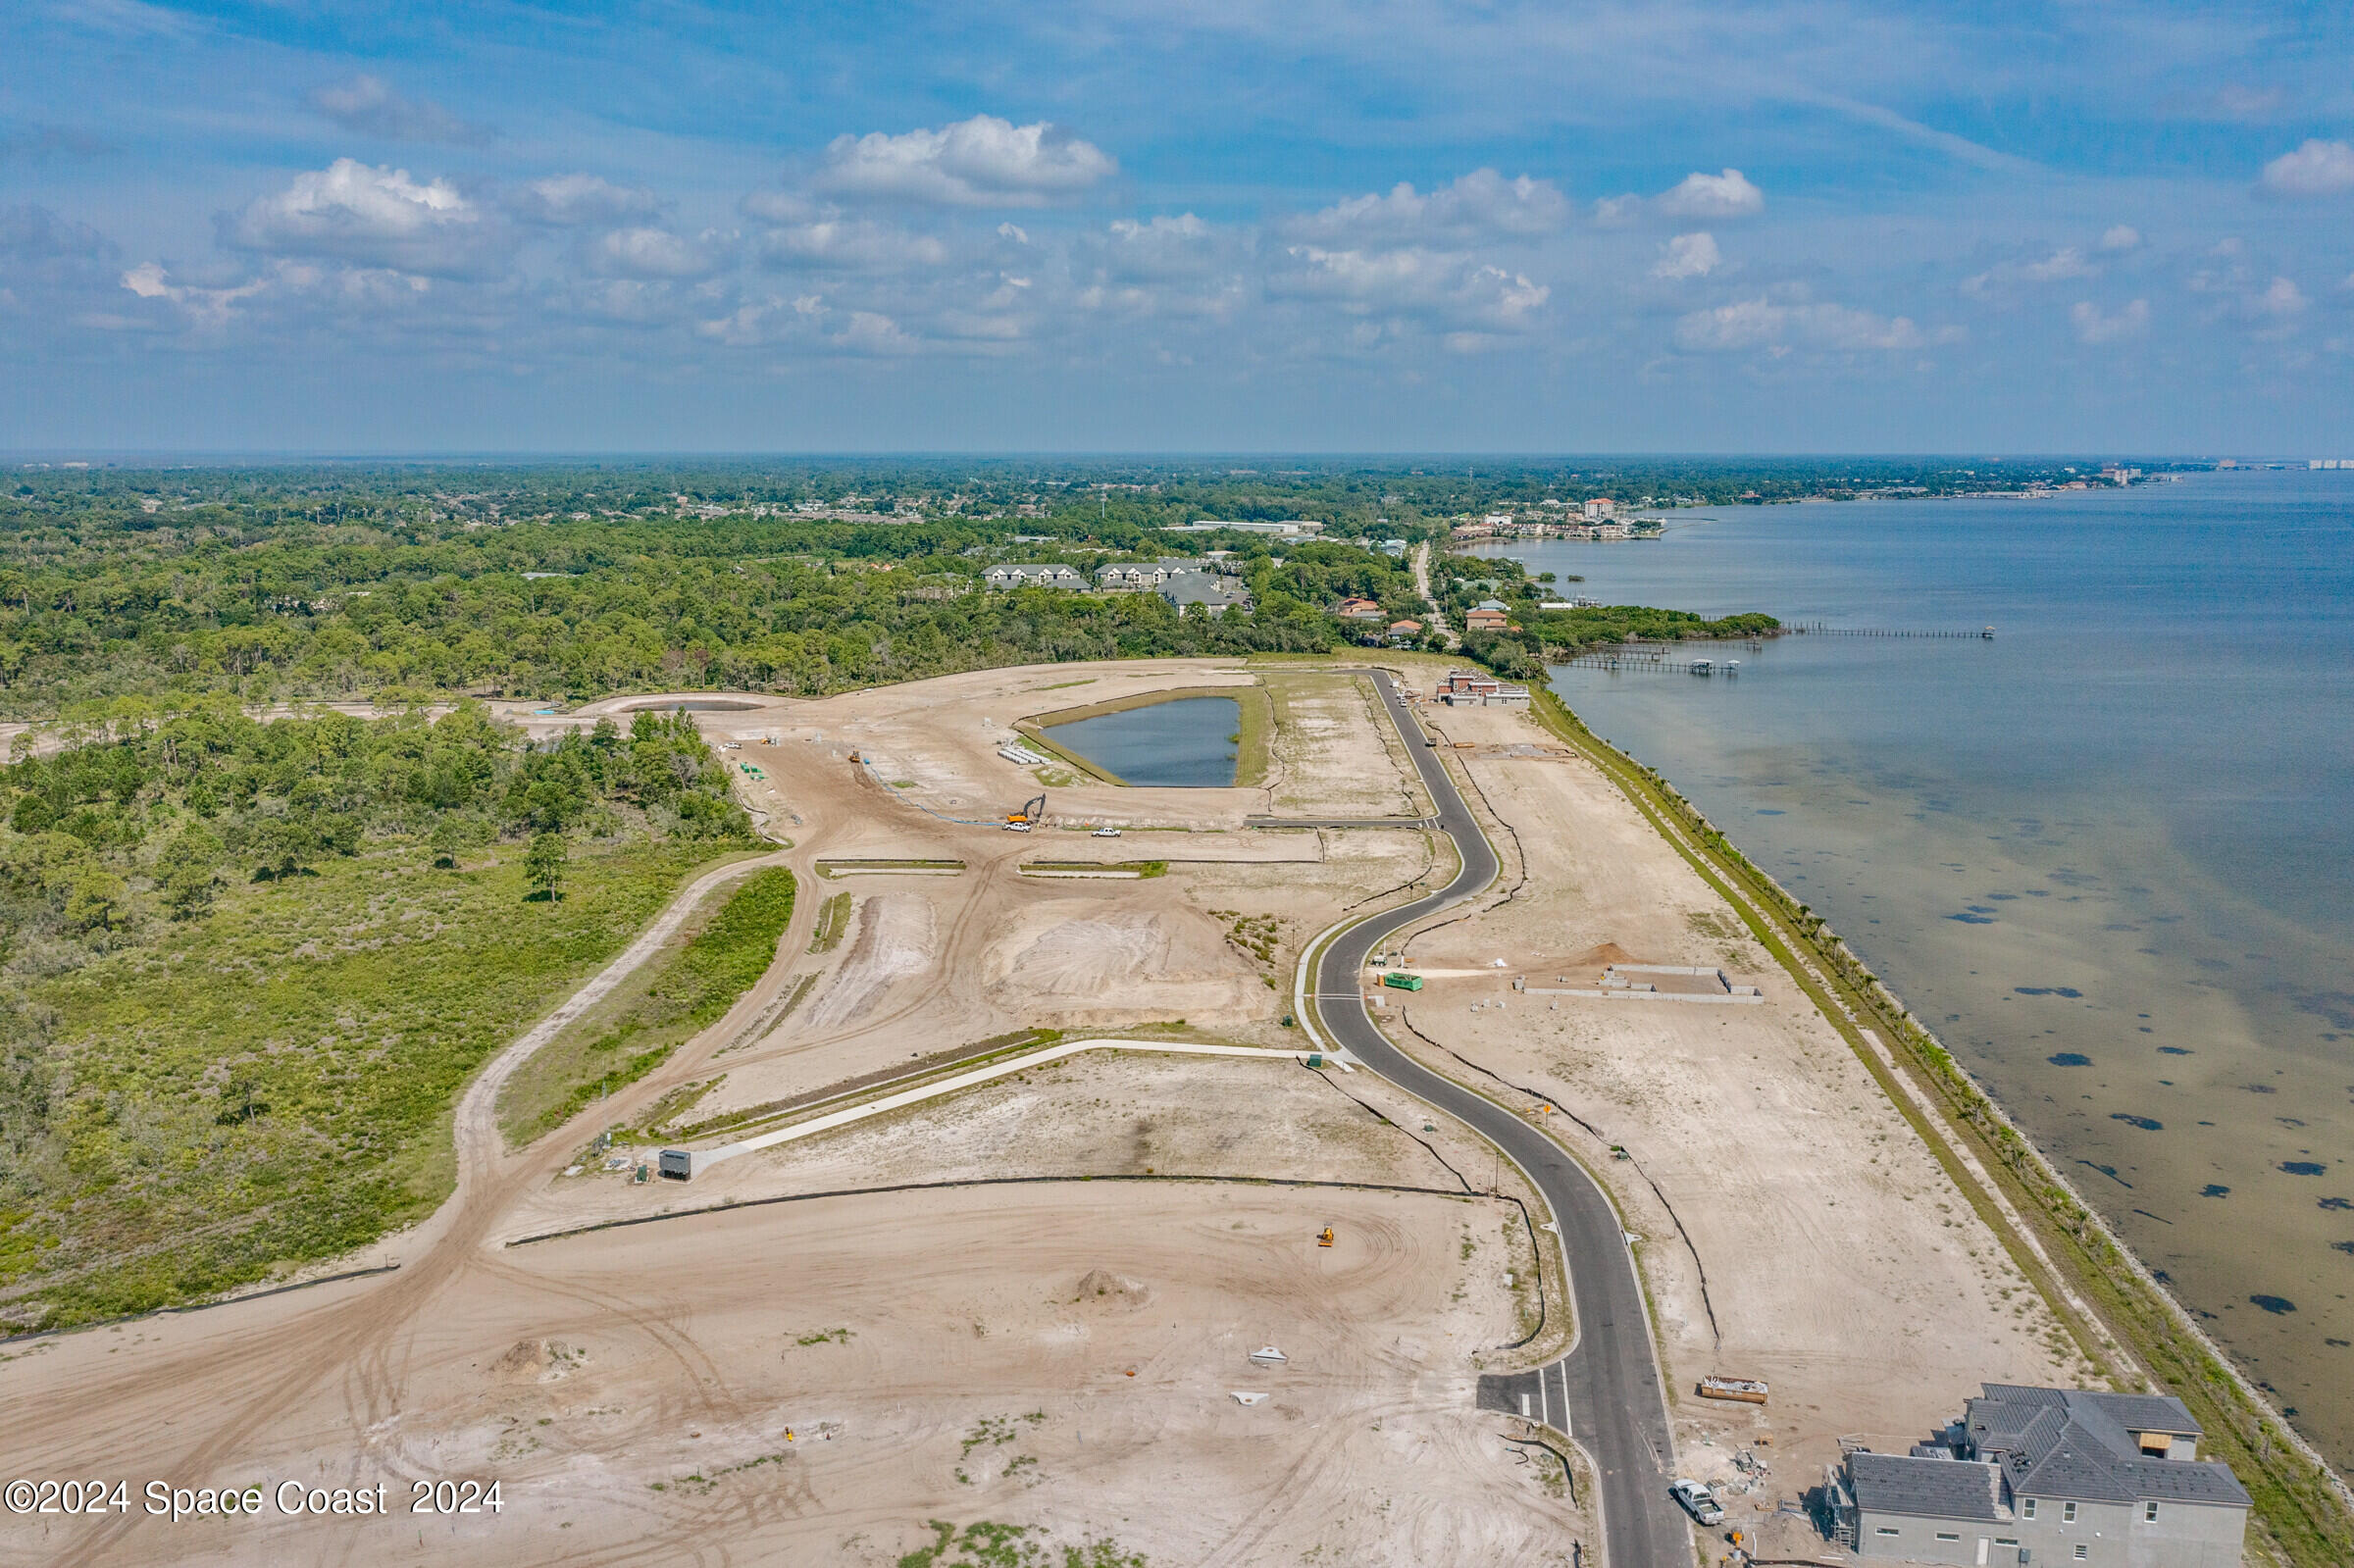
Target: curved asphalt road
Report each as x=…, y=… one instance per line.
x=1610, y=1378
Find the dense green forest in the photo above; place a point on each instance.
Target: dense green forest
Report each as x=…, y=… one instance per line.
x=570, y=581
x=247, y=965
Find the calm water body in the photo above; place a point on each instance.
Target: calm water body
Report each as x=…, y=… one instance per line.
x=2107, y=854
x=1187, y=743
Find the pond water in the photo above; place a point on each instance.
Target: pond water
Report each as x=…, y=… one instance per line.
x=1186, y=742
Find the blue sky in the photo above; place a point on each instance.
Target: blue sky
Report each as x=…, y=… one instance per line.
x=1226, y=224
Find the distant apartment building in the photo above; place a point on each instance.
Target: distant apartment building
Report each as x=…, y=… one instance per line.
x=2049, y=1476
x=1469, y=689
x=1137, y=576
x=1597, y=511
x=1488, y=615
x=1288, y=527
x=1049, y=575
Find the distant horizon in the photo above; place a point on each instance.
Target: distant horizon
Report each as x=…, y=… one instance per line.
x=231, y=458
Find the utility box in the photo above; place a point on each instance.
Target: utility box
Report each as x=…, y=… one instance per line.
x=1402, y=981
x=676, y=1165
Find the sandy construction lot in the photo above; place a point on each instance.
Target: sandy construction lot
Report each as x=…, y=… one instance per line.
x=633, y=1392
x=963, y=1352
x=1838, y=1263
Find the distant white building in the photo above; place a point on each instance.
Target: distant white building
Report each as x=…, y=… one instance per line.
x=1139, y=575
x=1597, y=511
x=1289, y=526
x=1049, y=575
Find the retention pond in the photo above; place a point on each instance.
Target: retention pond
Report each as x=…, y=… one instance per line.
x=1190, y=742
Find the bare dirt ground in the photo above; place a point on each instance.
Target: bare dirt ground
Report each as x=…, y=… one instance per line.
x=933, y=1355
x=1839, y=1264
x=936, y=1354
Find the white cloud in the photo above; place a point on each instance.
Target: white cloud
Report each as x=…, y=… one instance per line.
x=1158, y=248
x=1435, y=288
x=642, y=252
x=2095, y=328
x=2282, y=298
x=2065, y=263
x=370, y=217
x=980, y=162
x=209, y=307
x=875, y=333
x=1616, y=212
x=1760, y=324
x=2123, y=237
x=563, y=201
x=1481, y=202
x=368, y=105
x=2317, y=169
x=850, y=245
x=1689, y=256
x=2068, y=262
x=1696, y=195
x=1725, y=195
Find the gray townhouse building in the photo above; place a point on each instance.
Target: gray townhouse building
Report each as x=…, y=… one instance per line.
x=2049, y=1478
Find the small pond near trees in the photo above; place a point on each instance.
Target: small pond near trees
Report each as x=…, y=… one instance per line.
x=1189, y=743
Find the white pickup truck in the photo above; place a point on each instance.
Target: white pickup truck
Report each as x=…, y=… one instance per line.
x=1698, y=1501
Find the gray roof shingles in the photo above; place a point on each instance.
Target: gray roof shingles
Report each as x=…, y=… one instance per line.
x=1939, y=1488
x=2075, y=1442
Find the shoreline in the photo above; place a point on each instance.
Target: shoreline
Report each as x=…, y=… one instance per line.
x=2121, y=1317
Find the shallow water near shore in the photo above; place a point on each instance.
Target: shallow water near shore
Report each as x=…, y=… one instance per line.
x=2105, y=855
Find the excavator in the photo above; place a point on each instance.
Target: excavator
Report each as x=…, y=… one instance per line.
x=1034, y=811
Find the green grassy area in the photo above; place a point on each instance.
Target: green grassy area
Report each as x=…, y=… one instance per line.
x=629, y=1033
x=2300, y=1517
x=274, y=1084
x=988, y=1544
x=832, y=919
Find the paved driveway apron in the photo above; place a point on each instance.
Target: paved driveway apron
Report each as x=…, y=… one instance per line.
x=1606, y=1391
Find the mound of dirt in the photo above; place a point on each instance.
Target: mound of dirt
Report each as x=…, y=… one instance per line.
x=536, y=1361
x=1113, y=1290
x=1603, y=956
